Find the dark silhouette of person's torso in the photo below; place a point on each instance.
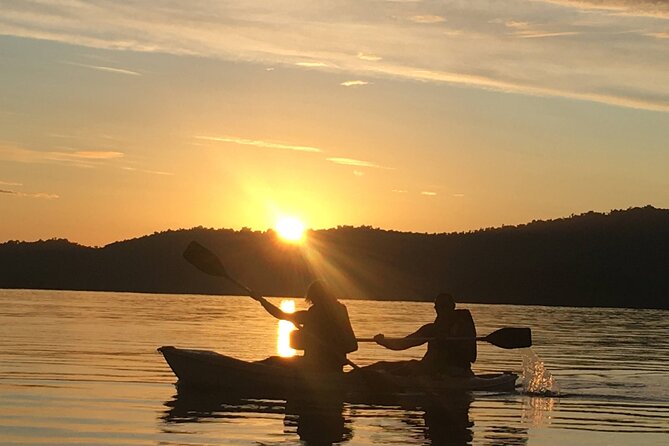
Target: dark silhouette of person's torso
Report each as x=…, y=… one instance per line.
x=444, y=354
x=328, y=336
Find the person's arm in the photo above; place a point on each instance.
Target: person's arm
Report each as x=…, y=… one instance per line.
x=296, y=318
x=418, y=337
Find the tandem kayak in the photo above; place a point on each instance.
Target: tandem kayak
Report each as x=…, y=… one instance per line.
x=278, y=380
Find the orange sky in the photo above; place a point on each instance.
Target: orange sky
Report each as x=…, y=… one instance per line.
x=120, y=120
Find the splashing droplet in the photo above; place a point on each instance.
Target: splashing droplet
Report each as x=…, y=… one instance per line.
x=536, y=378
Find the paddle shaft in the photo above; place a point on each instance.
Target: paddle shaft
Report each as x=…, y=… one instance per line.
x=508, y=337
x=480, y=338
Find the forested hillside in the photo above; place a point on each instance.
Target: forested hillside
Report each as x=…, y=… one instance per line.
x=619, y=259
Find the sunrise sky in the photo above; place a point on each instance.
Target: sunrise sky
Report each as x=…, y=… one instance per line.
x=118, y=119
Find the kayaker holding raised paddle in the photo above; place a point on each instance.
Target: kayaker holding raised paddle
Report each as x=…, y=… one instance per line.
x=325, y=330
x=451, y=343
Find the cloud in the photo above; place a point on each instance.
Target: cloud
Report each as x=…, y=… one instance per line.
x=428, y=193
x=259, y=143
x=399, y=191
x=30, y=195
x=659, y=35
x=358, y=173
x=652, y=8
x=84, y=158
x=9, y=183
x=356, y=163
x=525, y=30
x=354, y=83
x=312, y=64
x=369, y=57
x=539, y=35
x=107, y=69
x=94, y=155
x=152, y=172
x=427, y=19
x=599, y=61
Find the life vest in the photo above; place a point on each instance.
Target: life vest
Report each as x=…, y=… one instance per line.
x=443, y=351
x=327, y=335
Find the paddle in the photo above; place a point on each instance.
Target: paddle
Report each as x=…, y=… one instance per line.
x=207, y=262
x=508, y=337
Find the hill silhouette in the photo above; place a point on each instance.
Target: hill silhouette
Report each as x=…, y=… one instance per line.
x=617, y=259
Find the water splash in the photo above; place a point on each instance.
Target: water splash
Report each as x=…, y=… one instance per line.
x=536, y=378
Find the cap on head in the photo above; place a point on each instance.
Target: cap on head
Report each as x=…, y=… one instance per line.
x=444, y=301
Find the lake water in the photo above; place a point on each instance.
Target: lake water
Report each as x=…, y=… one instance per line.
x=82, y=368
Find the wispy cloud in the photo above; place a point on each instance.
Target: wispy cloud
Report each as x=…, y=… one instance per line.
x=259, y=143
x=652, y=8
x=29, y=195
x=152, y=172
x=427, y=19
x=356, y=163
x=358, y=173
x=428, y=193
x=525, y=30
x=10, y=183
x=81, y=157
x=311, y=64
x=354, y=83
x=77, y=158
x=400, y=191
x=541, y=35
x=103, y=68
x=369, y=57
x=540, y=61
x=93, y=155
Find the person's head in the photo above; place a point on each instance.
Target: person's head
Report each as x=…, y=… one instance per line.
x=444, y=303
x=319, y=293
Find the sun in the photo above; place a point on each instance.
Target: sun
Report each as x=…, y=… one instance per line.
x=290, y=229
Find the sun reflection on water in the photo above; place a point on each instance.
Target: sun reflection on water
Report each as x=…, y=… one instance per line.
x=283, y=332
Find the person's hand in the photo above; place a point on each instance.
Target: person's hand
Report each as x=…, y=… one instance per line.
x=255, y=295
x=380, y=339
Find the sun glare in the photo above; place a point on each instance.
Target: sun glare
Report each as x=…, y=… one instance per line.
x=283, y=339
x=290, y=229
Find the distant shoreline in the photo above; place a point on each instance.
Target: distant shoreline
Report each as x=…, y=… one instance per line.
x=345, y=299
x=592, y=260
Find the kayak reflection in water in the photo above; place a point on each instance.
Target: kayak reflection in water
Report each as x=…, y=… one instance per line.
x=317, y=422
x=320, y=422
x=445, y=355
x=325, y=330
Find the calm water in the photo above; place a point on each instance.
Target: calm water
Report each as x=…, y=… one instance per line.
x=81, y=368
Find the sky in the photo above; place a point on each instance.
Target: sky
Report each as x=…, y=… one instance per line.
x=119, y=119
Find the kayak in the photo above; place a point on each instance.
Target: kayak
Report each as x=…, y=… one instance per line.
x=206, y=369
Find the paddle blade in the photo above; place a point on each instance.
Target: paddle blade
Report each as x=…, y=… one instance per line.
x=510, y=337
x=204, y=260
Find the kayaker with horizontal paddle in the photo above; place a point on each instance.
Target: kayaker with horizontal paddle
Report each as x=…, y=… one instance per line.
x=325, y=329
x=451, y=343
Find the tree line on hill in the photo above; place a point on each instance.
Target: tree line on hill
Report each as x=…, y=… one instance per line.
x=616, y=259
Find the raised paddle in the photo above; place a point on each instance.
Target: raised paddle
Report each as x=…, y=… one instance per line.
x=207, y=262
x=508, y=337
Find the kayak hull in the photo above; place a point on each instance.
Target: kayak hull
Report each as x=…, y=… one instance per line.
x=213, y=371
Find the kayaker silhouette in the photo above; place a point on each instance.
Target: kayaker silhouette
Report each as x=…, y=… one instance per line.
x=325, y=328
x=445, y=355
